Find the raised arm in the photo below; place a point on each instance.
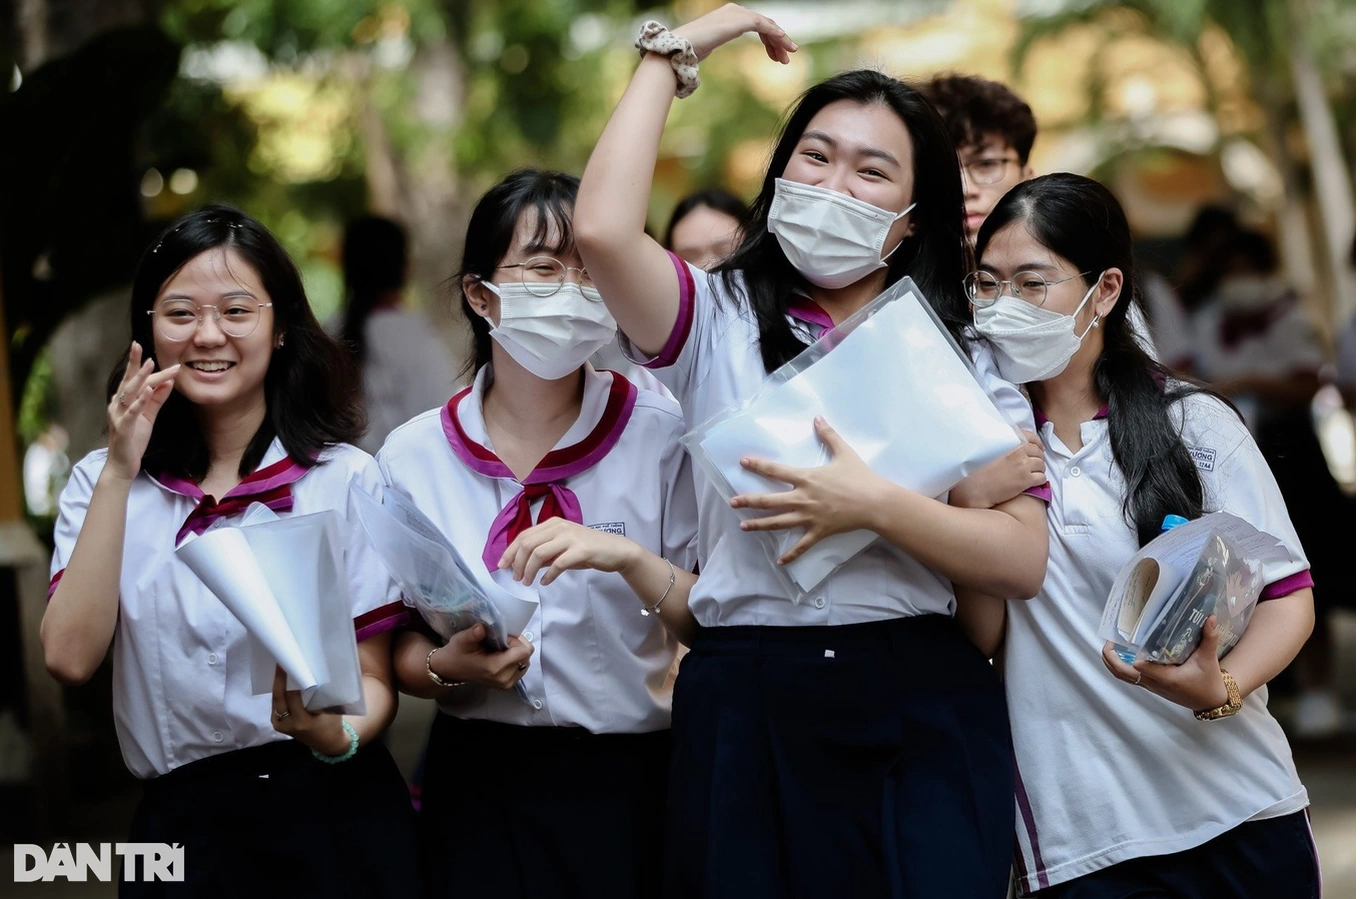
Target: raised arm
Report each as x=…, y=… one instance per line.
x=632, y=271
x=82, y=613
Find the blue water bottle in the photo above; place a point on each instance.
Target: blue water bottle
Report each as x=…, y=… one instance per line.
x=1129, y=653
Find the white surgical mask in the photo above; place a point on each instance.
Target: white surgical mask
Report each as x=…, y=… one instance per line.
x=832, y=239
x=1031, y=343
x=551, y=336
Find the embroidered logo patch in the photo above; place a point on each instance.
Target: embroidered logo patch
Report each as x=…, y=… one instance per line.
x=610, y=527
x=1204, y=457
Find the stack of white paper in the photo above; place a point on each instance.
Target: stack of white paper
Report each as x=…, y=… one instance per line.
x=893, y=383
x=284, y=580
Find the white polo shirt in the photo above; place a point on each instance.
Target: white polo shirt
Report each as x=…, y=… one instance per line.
x=599, y=662
x=711, y=362
x=1105, y=771
x=181, y=669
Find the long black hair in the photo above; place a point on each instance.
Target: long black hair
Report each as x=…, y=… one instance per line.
x=552, y=197
x=714, y=198
x=933, y=256
x=373, y=258
x=311, y=387
x=1081, y=221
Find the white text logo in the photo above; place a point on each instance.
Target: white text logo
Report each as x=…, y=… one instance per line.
x=159, y=861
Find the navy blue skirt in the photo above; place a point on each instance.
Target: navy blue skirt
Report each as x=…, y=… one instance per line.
x=272, y=820
x=512, y=812
x=869, y=760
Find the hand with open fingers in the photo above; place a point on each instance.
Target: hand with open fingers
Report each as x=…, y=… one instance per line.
x=709, y=32
x=830, y=499
x=133, y=410
x=1196, y=683
x=466, y=658
x=321, y=731
x=563, y=545
x=1004, y=479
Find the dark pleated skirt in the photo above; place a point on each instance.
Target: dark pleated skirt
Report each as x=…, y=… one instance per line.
x=541, y=812
x=272, y=820
x=861, y=761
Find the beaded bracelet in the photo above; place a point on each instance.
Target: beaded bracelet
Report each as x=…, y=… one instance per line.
x=349, y=754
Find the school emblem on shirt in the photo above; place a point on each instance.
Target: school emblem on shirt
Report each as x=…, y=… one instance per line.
x=1203, y=456
x=610, y=527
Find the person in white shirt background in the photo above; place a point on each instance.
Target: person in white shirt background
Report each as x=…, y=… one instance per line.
x=1146, y=779
x=855, y=743
x=231, y=394
x=407, y=367
x=573, y=482
x=1253, y=341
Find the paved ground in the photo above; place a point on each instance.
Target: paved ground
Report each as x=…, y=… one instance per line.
x=1327, y=769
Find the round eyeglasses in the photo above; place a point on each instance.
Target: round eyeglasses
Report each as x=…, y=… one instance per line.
x=988, y=171
x=177, y=320
x=984, y=289
x=545, y=275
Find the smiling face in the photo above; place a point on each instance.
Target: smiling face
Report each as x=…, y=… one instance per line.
x=862, y=150
x=218, y=370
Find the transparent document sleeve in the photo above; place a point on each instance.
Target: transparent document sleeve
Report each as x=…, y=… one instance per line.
x=892, y=382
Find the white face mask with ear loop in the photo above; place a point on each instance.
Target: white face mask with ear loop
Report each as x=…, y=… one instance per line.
x=1032, y=343
x=551, y=336
x=832, y=239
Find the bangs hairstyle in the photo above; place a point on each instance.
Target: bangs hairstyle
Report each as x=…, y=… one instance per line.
x=1081, y=221
x=312, y=389
x=934, y=256
x=975, y=109
x=551, y=197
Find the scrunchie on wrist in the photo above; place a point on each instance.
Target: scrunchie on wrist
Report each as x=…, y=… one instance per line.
x=657, y=38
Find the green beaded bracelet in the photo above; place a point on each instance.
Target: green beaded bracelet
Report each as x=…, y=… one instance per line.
x=349, y=754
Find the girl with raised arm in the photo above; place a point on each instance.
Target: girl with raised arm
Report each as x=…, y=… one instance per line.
x=854, y=744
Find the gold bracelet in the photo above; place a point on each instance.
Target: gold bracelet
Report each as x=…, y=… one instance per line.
x=1231, y=707
x=656, y=609
x=435, y=677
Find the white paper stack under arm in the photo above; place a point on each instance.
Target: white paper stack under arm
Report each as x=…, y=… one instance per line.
x=894, y=384
x=1162, y=596
x=284, y=580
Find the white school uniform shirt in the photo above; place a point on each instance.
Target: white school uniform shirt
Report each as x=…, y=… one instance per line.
x=711, y=362
x=181, y=668
x=1107, y=772
x=599, y=663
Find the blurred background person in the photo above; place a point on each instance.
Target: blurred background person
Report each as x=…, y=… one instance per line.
x=407, y=367
x=1252, y=339
x=704, y=228
x=993, y=130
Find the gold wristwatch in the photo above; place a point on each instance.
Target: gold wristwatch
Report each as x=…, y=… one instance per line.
x=436, y=678
x=1231, y=707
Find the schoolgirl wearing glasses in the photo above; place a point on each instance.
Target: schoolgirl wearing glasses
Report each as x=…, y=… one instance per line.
x=231, y=394
x=572, y=480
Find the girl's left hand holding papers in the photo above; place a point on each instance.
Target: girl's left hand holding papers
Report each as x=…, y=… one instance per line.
x=830, y=499
x=321, y=731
